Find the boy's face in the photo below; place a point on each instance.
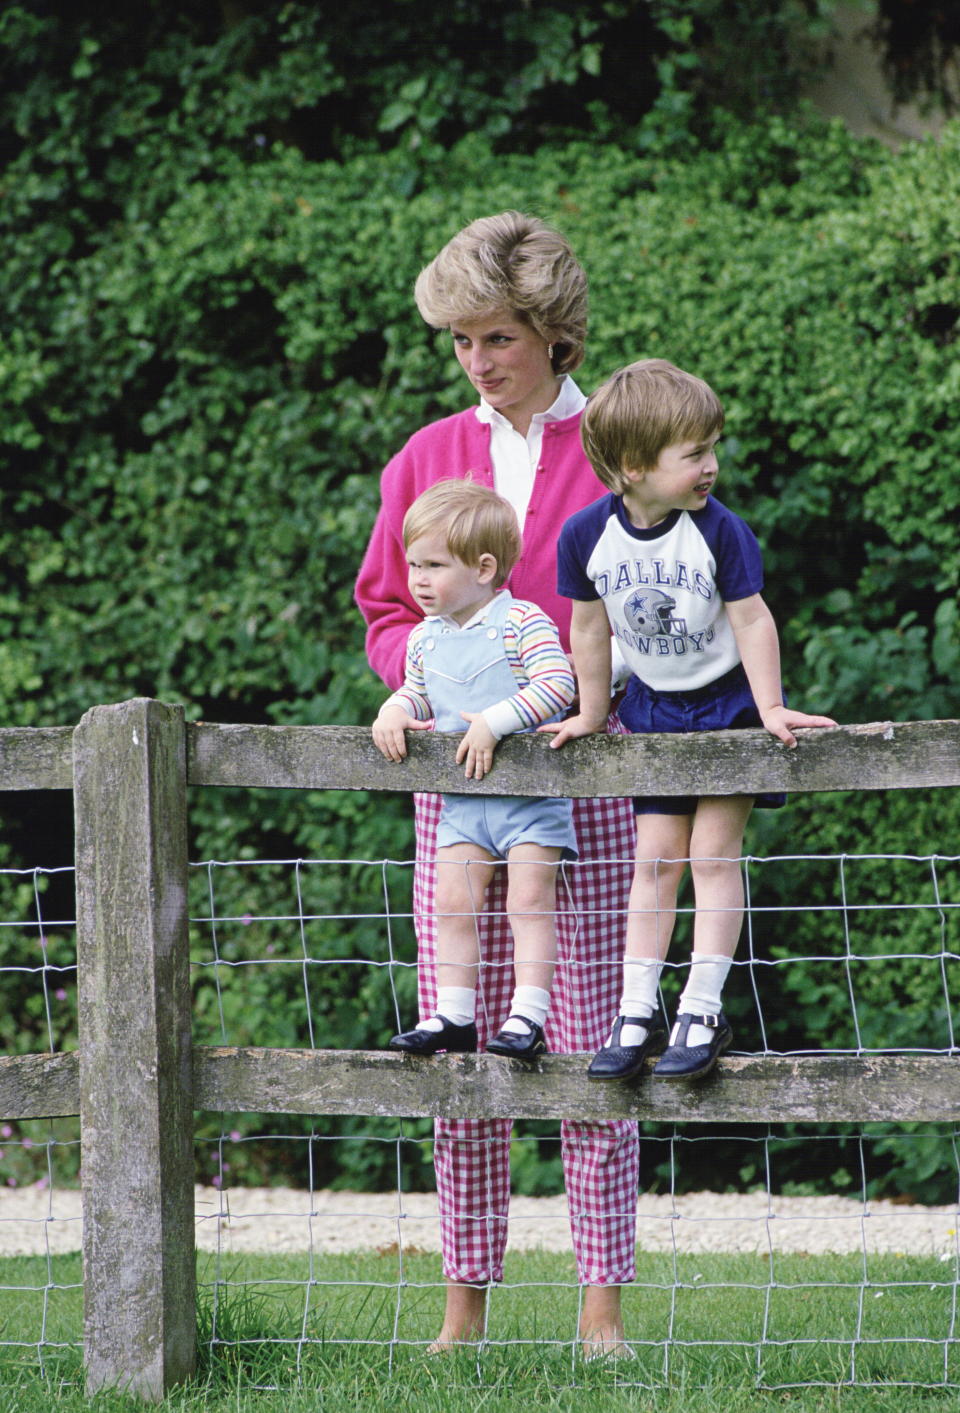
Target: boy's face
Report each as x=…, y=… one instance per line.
x=442, y=584
x=684, y=475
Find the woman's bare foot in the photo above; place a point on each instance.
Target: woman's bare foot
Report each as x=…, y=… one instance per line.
x=464, y=1319
x=601, y=1324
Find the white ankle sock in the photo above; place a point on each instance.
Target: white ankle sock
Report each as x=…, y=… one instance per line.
x=530, y=1004
x=702, y=993
x=456, y=1003
x=641, y=977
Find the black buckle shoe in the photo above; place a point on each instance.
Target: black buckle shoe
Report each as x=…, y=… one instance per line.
x=456, y=1039
x=683, y=1061
x=616, y=1061
x=519, y=1047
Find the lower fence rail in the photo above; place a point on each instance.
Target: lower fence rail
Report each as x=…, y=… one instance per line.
x=743, y=1089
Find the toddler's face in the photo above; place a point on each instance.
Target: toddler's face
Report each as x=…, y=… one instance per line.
x=441, y=584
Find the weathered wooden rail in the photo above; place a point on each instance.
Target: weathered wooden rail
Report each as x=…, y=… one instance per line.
x=137, y=1078
x=381, y=1084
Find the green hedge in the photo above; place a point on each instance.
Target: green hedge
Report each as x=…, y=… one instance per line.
x=198, y=408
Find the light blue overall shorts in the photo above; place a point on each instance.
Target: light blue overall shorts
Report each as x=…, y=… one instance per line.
x=468, y=671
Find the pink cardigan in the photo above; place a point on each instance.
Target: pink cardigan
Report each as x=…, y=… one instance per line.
x=564, y=483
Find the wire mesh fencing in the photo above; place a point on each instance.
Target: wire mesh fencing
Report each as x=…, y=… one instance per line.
x=863, y=1219
x=324, y=1231
x=40, y=1218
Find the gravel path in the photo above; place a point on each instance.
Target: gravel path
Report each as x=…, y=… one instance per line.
x=33, y=1221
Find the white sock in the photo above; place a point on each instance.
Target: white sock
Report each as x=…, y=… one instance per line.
x=529, y=1003
x=702, y=993
x=641, y=977
x=455, y=1003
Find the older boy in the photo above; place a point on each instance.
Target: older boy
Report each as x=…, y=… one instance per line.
x=496, y=662
x=677, y=578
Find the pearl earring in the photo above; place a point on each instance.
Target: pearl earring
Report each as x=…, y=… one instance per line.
x=550, y=351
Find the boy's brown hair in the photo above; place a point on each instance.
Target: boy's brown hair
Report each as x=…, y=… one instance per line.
x=640, y=410
x=473, y=520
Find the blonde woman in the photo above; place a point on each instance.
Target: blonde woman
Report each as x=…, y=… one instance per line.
x=512, y=297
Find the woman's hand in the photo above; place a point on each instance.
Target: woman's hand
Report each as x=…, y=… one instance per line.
x=389, y=728
x=574, y=726
x=477, y=746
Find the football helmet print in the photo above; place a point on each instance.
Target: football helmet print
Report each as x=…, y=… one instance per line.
x=650, y=612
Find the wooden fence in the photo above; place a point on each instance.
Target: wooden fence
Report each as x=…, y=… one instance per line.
x=137, y=1078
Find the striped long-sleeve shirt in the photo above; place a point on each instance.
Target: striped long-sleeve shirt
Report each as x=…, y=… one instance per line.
x=535, y=657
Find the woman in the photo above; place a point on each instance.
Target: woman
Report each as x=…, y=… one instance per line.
x=513, y=297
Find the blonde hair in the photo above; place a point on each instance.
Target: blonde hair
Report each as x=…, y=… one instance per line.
x=510, y=262
x=472, y=519
x=640, y=410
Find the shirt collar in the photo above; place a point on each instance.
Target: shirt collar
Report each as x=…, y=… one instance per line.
x=569, y=401
x=451, y=624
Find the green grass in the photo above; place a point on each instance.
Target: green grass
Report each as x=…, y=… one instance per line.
x=716, y=1333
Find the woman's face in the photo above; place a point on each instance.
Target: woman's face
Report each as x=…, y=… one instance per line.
x=506, y=361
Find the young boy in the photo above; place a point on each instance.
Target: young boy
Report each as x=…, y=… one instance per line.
x=677, y=578
x=496, y=662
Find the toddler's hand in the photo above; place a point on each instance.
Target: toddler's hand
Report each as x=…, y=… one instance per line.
x=780, y=719
x=572, y=728
x=389, y=728
x=477, y=746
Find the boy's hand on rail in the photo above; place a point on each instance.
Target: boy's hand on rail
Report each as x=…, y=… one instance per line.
x=779, y=720
x=389, y=728
x=572, y=728
x=477, y=746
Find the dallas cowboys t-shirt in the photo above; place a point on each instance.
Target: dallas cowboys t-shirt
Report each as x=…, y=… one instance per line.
x=664, y=588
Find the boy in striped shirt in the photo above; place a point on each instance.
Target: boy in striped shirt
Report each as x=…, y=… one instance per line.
x=495, y=662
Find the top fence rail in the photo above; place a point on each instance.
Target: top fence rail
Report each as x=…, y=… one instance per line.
x=882, y=755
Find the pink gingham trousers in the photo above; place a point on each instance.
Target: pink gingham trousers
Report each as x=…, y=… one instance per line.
x=600, y=1160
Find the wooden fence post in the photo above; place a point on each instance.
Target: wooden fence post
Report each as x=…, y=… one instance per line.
x=136, y=1093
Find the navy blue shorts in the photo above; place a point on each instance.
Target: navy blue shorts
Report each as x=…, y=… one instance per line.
x=724, y=705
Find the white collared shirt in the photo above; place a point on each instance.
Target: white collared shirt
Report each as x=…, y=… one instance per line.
x=452, y=626
x=515, y=457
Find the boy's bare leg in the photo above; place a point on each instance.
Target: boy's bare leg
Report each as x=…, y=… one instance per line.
x=663, y=846
x=464, y=872
x=715, y=849
x=702, y=1033
x=531, y=908
x=464, y=1317
x=601, y=1322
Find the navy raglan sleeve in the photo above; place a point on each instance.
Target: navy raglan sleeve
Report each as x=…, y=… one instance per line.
x=739, y=571
x=576, y=544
